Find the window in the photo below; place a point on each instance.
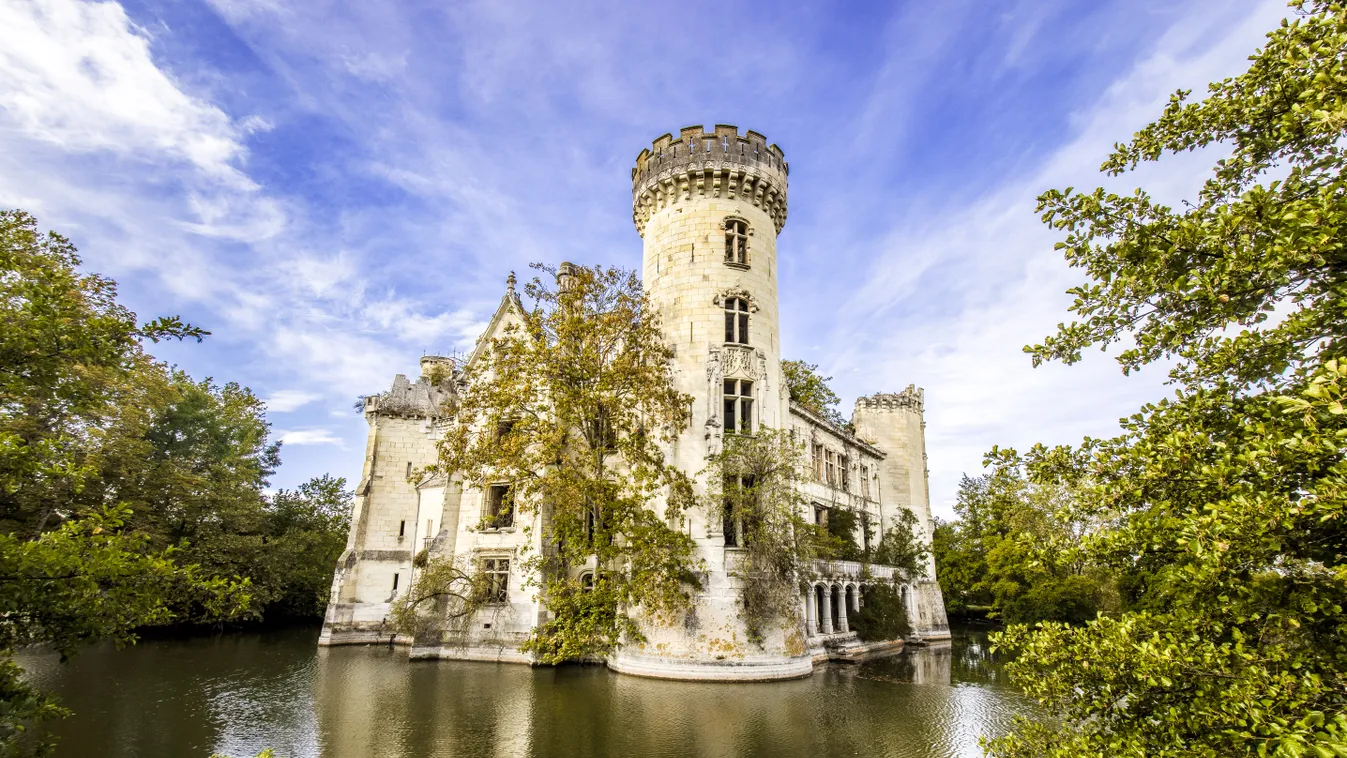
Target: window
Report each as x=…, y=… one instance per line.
x=831, y=463
x=395, y=582
x=426, y=540
x=736, y=241
x=865, y=481
x=820, y=515
x=738, y=406
x=409, y=470
x=818, y=462
x=499, y=507
x=402, y=529
x=736, y=320
x=733, y=519
x=587, y=581
x=844, y=466
x=497, y=572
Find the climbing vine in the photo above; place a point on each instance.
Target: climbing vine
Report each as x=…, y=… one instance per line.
x=755, y=490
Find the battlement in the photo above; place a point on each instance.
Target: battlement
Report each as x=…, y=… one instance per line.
x=911, y=398
x=720, y=163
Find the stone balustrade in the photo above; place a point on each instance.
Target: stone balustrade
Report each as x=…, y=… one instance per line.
x=838, y=588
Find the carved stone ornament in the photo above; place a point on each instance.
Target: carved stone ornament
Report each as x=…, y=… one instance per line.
x=740, y=293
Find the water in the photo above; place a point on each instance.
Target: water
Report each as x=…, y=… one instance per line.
x=239, y=693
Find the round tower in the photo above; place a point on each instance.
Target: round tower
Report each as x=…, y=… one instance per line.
x=709, y=206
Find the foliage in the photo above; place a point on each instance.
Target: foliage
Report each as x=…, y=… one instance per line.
x=1225, y=503
x=443, y=597
x=902, y=546
x=1017, y=547
x=960, y=564
x=808, y=388
x=87, y=581
x=23, y=711
x=841, y=526
x=304, y=533
x=572, y=408
x=756, y=482
x=121, y=483
x=65, y=345
x=883, y=615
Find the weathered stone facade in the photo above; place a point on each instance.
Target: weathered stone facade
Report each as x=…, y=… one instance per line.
x=709, y=206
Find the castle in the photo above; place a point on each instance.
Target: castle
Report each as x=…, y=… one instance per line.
x=709, y=207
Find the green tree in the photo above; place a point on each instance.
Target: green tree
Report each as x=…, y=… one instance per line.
x=1225, y=503
x=574, y=409
x=70, y=573
x=304, y=532
x=755, y=487
x=902, y=546
x=810, y=389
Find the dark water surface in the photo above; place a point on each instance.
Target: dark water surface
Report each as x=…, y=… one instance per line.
x=239, y=693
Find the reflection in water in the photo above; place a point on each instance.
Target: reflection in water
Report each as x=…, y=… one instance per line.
x=240, y=693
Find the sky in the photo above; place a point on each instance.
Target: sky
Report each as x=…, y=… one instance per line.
x=335, y=189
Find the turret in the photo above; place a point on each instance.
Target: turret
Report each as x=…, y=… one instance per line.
x=709, y=206
x=895, y=422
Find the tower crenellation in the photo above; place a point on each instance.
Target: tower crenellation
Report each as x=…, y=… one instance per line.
x=719, y=163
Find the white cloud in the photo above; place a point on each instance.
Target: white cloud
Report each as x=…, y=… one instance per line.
x=81, y=76
x=286, y=401
x=309, y=437
x=954, y=296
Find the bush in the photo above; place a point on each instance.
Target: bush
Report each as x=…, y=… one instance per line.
x=883, y=615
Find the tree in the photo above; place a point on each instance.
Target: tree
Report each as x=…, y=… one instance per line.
x=573, y=410
x=808, y=388
x=1225, y=502
x=65, y=346
x=755, y=489
x=304, y=532
x=70, y=573
x=902, y=547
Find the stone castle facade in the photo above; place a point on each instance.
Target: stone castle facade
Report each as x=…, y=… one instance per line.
x=709, y=207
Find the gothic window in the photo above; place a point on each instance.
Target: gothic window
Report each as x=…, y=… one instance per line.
x=497, y=572
x=498, y=510
x=865, y=481
x=844, y=468
x=736, y=241
x=818, y=462
x=738, y=406
x=736, y=320
x=820, y=515
x=831, y=462
x=587, y=581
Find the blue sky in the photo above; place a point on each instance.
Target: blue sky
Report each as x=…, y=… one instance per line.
x=334, y=189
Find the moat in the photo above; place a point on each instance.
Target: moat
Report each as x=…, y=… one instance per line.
x=238, y=693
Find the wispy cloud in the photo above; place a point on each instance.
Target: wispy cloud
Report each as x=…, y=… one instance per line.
x=286, y=401
x=309, y=437
x=334, y=189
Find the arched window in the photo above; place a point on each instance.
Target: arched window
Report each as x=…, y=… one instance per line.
x=736, y=320
x=736, y=241
x=587, y=581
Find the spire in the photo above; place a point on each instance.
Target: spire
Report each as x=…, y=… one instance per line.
x=509, y=284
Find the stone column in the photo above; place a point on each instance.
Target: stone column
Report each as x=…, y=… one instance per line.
x=809, y=624
x=827, y=610
x=842, y=609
